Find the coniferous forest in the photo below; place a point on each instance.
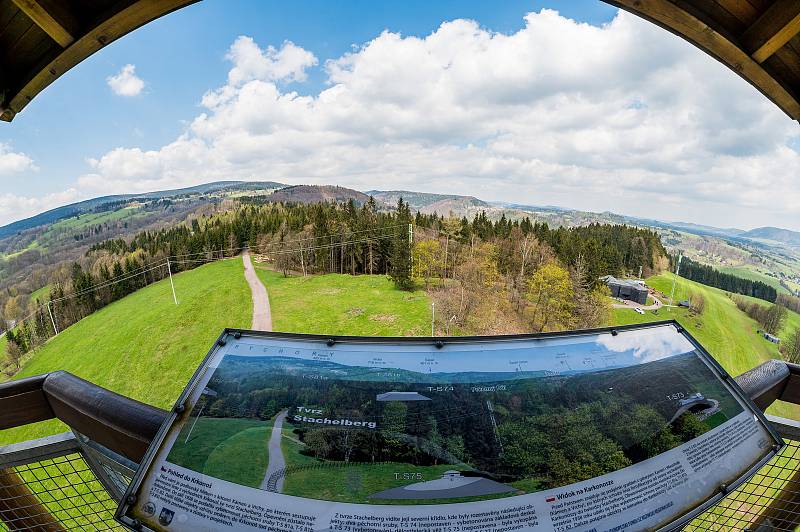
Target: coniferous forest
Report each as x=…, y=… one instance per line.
x=730, y=283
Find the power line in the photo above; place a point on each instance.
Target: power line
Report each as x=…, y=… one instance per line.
x=148, y=267
x=107, y=283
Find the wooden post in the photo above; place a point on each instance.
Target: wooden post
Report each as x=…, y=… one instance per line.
x=20, y=509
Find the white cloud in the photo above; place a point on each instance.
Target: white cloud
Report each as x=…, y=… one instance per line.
x=250, y=62
x=14, y=207
x=648, y=345
x=14, y=162
x=625, y=117
x=126, y=82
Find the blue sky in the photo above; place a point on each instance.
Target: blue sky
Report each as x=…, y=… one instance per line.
x=133, y=140
x=182, y=56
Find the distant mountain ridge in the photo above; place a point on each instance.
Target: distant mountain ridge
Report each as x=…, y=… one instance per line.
x=318, y=194
x=326, y=369
x=425, y=202
x=81, y=207
x=777, y=234
x=430, y=203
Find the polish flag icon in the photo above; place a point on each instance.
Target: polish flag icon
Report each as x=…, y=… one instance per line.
x=550, y=499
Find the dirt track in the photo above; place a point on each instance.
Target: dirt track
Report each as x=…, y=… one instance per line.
x=276, y=460
x=262, y=316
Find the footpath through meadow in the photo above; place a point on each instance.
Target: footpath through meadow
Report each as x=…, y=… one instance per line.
x=262, y=316
x=277, y=463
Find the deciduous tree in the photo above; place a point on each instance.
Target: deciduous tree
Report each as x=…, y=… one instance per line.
x=551, y=296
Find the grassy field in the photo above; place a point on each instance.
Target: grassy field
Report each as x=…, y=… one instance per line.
x=343, y=304
x=144, y=346
x=95, y=218
x=41, y=294
x=725, y=331
x=752, y=275
x=32, y=245
x=216, y=446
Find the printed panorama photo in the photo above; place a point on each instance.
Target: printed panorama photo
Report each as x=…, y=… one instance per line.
x=343, y=432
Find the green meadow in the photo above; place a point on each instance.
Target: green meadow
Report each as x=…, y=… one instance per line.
x=345, y=304
x=215, y=447
x=144, y=346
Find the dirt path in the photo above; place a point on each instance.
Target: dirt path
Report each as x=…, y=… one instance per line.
x=262, y=317
x=276, y=460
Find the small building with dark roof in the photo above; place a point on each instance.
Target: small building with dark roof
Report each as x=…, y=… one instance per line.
x=627, y=289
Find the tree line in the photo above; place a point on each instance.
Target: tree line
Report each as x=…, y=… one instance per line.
x=710, y=276
x=513, y=276
x=789, y=301
x=489, y=274
x=81, y=294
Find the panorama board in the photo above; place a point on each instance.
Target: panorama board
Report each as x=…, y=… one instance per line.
x=626, y=429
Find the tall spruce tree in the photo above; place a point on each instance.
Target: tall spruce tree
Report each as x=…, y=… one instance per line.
x=401, y=249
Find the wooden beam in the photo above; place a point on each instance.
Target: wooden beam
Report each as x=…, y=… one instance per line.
x=121, y=23
x=45, y=18
x=673, y=18
x=20, y=509
x=774, y=28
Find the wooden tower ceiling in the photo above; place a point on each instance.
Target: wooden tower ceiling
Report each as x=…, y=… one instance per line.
x=42, y=39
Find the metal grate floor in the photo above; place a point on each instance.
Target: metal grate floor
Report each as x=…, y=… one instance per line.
x=60, y=493
x=768, y=501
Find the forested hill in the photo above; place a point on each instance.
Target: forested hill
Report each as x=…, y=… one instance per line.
x=775, y=233
x=110, y=203
x=731, y=283
x=358, y=239
x=505, y=264
x=317, y=194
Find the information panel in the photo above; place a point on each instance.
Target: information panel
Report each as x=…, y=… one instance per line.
x=630, y=429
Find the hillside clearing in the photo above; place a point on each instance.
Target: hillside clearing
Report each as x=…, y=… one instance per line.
x=752, y=275
x=41, y=294
x=345, y=304
x=143, y=346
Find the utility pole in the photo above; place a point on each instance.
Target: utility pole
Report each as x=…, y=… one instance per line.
x=172, y=284
x=49, y=311
x=433, y=318
x=677, y=272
